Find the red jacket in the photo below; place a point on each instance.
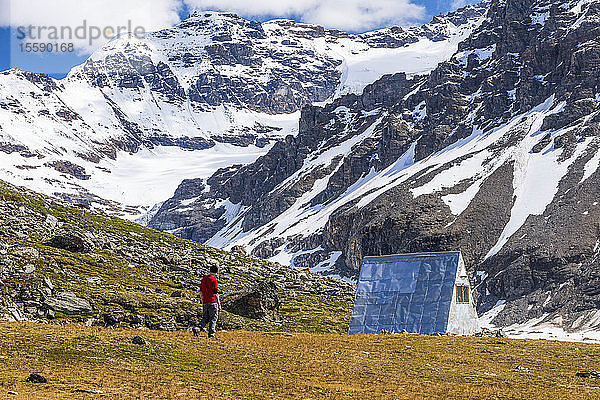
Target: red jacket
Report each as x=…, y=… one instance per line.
x=209, y=287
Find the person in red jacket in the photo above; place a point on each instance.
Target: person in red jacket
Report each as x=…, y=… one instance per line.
x=211, y=305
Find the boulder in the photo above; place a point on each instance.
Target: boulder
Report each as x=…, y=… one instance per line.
x=492, y=333
x=29, y=269
x=588, y=374
x=113, y=317
x=72, y=242
x=28, y=253
x=68, y=303
x=211, y=261
x=14, y=313
x=139, y=340
x=36, y=378
x=51, y=221
x=88, y=391
x=241, y=250
x=258, y=302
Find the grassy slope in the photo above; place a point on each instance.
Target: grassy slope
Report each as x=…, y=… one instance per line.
x=251, y=365
x=122, y=269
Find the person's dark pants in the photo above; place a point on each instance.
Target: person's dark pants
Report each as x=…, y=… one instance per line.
x=210, y=314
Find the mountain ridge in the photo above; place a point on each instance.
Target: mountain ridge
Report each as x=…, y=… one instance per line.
x=213, y=88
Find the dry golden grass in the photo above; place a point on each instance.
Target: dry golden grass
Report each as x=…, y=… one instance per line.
x=254, y=365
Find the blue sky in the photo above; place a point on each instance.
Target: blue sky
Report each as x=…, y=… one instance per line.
x=58, y=65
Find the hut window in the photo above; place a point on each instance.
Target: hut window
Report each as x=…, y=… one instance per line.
x=462, y=294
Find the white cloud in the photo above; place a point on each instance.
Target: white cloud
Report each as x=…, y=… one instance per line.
x=151, y=15
x=348, y=15
x=456, y=4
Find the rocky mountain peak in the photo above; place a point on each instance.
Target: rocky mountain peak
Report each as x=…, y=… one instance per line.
x=189, y=99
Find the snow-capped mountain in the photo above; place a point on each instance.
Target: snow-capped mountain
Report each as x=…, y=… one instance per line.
x=122, y=130
x=496, y=152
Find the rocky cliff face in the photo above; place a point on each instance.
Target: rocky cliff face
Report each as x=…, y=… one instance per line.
x=495, y=153
x=141, y=115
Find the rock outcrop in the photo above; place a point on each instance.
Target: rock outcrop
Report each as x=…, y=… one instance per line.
x=73, y=242
x=68, y=303
x=258, y=302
